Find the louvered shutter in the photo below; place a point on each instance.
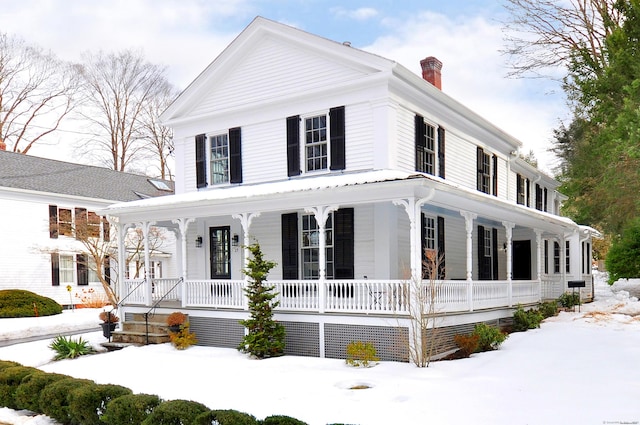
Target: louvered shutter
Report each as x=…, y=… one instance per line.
x=235, y=155
x=343, y=243
x=480, y=171
x=441, y=150
x=81, y=269
x=337, y=131
x=55, y=269
x=495, y=175
x=494, y=241
x=53, y=221
x=290, y=246
x=201, y=161
x=441, y=249
x=293, y=146
x=420, y=142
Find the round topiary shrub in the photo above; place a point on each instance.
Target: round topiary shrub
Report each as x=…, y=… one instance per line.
x=225, y=417
x=10, y=379
x=130, y=409
x=88, y=402
x=21, y=303
x=56, y=397
x=175, y=412
x=282, y=420
x=28, y=392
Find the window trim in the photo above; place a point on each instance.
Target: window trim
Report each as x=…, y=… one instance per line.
x=324, y=156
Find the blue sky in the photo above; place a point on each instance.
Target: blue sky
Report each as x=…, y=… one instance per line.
x=186, y=35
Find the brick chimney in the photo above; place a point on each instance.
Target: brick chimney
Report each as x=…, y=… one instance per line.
x=431, y=68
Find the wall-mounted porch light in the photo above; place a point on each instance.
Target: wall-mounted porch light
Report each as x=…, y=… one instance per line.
x=235, y=240
x=199, y=242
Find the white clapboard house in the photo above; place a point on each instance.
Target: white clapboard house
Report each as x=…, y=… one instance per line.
x=44, y=202
x=348, y=169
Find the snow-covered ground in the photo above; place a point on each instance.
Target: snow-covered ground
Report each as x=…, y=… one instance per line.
x=578, y=368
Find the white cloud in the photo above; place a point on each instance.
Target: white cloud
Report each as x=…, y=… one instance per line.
x=361, y=14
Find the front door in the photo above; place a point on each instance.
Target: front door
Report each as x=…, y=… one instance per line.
x=220, y=252
x=521, y=260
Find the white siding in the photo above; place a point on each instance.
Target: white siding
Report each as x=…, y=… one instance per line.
x=264, y=151
x=359, y=128
x=455, y=247
x=405, y=141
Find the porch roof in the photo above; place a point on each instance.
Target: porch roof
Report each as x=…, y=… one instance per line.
x=335, y=189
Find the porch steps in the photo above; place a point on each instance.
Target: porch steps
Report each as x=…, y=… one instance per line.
x=134, y=332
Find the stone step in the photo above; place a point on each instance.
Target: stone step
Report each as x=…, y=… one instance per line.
x=136, y=326
x=113, y=346
x=155, y=318
x=139, y=337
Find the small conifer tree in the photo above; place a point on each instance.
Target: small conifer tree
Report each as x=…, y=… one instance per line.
x=265, y=336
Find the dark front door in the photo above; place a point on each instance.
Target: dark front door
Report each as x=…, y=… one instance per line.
x=521, y=260
x=220, y=251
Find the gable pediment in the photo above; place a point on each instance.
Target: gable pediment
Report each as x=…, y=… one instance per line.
x=271, y=62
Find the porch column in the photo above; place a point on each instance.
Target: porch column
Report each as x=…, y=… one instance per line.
x=148, y=293
x=321, y=214
x=245, y=222
x=508, y=228
x=183, y=227
x=121, y=231
x=468, y=225
x=538, y=233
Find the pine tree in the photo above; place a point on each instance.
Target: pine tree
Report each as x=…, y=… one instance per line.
x=265, y=336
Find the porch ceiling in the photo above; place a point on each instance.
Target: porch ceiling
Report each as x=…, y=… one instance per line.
x=336, y=189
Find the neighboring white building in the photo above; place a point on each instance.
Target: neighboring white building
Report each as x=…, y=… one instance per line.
x=41, y=201
x=346, y=167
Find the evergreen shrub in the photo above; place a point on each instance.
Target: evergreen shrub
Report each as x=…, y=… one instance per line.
x=10, y=379
x=88, y=402
x=489, y=337
x=569, y=299
x=130, y=409
x=548, y=309
x=225, y=417
x=175, y=412
x=21, y=303
x=524, y=320
x=282, y=420
x=6, y=363
x=55, y=398
x=28, y=392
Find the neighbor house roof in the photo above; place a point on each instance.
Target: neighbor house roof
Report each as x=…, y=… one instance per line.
x=26, y=172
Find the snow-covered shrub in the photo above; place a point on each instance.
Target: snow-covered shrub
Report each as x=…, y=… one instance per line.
x=489, y=337
x=88, y=403
x=130, y=409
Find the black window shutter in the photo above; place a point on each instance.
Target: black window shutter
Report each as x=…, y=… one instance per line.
x=494, y=240
x=293, y=146
x=105, y=229
x=290, y=246
x=441, y=143
x=201, y=161
x=343, y=255
x=480, y=171
x=55, y=269
x=495, y=175
x=337, y=130
x=441, y=251
x=107, y=269
x=81, y=268
x=235, y=155
x=420, y=141
x=528, y=194
x=53, y=221
x=544, y=205
x=423, y=245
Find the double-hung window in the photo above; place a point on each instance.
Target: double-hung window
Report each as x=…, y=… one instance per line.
x=219, y=159
x=429, y=147
x=315, y=143
x=310, y=247
x=487, y=173
x=66, y=269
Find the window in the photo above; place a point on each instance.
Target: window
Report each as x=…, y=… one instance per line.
x=310, y=247
x=76, y=221
x=539, y=197
x=522, y=189
x=93, y=225
x=92, y=267
x=65, y=222
x=429, y=233
x=219, y=162
x=66, y=269
x=155, y=271
x=556, y=257
x=427, y=148
x=546, y=257
x=487, y=253
x=567, y=257
x=316, y=147
x=487, y=173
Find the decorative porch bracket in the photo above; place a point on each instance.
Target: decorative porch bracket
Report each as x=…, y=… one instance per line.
x=468, y=225
x=183, y=227
x=321, y=214
x=508, y=229
x=245, y=222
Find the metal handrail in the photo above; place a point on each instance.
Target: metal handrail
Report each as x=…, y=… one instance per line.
x=154, y=306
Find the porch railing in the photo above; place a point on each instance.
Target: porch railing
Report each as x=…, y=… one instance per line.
x=349, y=296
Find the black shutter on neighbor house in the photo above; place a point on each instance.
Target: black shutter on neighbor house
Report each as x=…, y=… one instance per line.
x=441, y=148
x=494, y=241
x=441, y=249
x=343, y=255
x=479, y=171
x=420, y=142
x=337, y=130
x=528, y=194
x=235, y=155
x=290, y=246
x=55, y=269
x=106, y=269
x=423, y=245
x=81, y=268
x=53, y=221
x=293, y=146
x=495, y=175
x=484, y=262
x=201, y=161
x=544, y=205
x=105, y=229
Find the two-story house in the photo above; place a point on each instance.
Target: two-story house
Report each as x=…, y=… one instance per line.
x=349, y=170
x=44, y=203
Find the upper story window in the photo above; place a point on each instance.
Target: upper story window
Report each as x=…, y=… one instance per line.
x=323, y=139
x=76, y=222
x=541, y=198
x=429, y=149
x=556, y=257
x=522, y=189
x=487, y=173
x=315, y=143
x=219, y=158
